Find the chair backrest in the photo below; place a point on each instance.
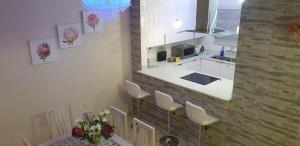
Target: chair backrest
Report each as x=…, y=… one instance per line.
x=163, y=100
x=132, y=88
x=59, y=120
x=143, y=134
x=118, y=119
x=40, y=127
x=195, y=113
x=26, y=142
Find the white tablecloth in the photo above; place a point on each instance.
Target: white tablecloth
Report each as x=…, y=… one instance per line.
x=68, y=140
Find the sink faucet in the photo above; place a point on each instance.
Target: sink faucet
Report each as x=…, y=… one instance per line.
x=231, y=50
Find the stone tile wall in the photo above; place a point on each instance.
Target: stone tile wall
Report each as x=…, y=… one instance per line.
x=265, y=109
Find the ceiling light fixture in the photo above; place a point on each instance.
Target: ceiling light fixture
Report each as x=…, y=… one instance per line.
x=177, y=23
x=107, y=9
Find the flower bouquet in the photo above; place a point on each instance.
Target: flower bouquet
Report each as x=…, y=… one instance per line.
x=93, y=127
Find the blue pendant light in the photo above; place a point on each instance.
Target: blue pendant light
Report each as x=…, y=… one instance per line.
x=107, y=9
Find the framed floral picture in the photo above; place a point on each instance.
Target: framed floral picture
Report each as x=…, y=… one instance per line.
x=91, y=22
x=69, y=35
x=43, y=51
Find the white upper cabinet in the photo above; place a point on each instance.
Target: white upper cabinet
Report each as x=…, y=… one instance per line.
x=185, y=12
x=158, y=16
x=151, y=23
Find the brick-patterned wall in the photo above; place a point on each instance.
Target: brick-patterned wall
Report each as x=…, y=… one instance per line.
x=135, y=35
x=265, y=109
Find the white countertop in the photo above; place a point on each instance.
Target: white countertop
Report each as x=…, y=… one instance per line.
x=207, y=55
x=170, y=72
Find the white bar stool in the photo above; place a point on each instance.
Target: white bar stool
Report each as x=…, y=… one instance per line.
x=26, y=142
x=167, y=103
x=198, y=115
x=135, y=91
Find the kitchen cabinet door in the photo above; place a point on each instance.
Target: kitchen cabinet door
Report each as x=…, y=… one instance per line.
x=158, y=16
x=192, y=65
x=152, y=20
x=210, y=67
x=185, y=11
x=187, y=65
x=195, y=65
x=184, y=65
x=227, y=71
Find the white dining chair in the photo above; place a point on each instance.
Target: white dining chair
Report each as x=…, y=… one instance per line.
x=118, y=119
x=143, y=134
x=40, y=128
x=198, y=115
x=167, y=103
x=59, y=120
x=26, y=142
x=134, y=90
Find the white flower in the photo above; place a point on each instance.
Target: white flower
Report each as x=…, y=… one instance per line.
x=86, y=127
x=93, y=128
x=107, y=112
x=91, y=133
x=99, y=127
x=101, y=113
x=104, y=119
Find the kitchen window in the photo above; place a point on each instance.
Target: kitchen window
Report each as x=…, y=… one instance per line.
x=228, y=18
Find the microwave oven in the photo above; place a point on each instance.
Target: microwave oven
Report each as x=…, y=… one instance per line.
x=183, y=51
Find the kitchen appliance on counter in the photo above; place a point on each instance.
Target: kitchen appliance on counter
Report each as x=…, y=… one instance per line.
x=161, y=56
x=183, y=51
x=171, y=59
x=200, y=78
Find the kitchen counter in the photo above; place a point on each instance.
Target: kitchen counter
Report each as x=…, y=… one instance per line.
x=207, y=55
x=172, y=73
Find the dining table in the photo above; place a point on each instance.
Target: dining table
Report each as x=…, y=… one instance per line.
x=69, y=140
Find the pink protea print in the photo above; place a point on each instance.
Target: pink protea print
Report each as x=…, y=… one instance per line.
x=70, y=35
x=43, y=50
x=93, y=21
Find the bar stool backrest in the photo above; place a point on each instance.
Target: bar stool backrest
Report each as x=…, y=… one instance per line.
x=195, y=113
x=132, y=89
x=163, y=100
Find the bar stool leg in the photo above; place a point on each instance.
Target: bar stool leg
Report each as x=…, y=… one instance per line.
x=200, y=135
x=169, y=122
x=138, y=107
x=209, y=138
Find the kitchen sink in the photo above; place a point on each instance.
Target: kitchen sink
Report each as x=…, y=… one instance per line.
x=229, y=59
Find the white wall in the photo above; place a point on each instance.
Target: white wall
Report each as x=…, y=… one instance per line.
x=230, y=4
x=92, y=73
